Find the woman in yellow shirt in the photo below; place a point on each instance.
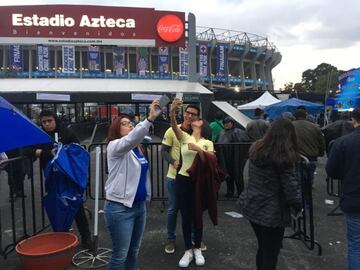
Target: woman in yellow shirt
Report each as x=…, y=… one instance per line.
x=190, y=146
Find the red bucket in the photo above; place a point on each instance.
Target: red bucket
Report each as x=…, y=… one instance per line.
x=52, y=250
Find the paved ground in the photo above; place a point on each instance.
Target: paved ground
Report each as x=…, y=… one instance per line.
x=231, y=244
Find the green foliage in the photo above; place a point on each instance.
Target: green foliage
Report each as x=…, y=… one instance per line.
x=321, y=79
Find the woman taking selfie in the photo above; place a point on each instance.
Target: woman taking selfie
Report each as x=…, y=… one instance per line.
x=191, y=145
x=127, y=188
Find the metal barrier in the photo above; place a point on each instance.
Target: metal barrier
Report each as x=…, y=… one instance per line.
x=20, y=216
x=303, y=226
x=334, y=189
x=234, y=154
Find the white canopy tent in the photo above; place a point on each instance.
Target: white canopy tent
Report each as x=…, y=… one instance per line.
x=266, y=99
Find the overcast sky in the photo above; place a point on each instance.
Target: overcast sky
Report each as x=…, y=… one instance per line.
x=306, y=32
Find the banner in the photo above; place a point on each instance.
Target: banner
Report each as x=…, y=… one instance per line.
x=163, y=62
x=142, y=61
x=93, y=59
x=348, y=95
x=43, y=57
x=16, y=58
x=119, y=60
x=184, y=61
x=221, y=61
x=68, y=59
x=203, y=60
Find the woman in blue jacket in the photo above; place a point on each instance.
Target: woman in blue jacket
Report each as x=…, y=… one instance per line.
x=127, y=188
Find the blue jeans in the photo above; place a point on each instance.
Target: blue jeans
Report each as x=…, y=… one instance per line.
x=126, y=226
x=172, y=209
x=353, y=238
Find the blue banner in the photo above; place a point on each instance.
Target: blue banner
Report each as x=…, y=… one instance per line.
x=142, y=57
x=16, y=58
x=349, y=94
x=43, y=58
x=119, y=60
x=203, y=60
x=68, y=59
x=184, y=61
x=221, y=61
x=163, y=62
x=94, y=59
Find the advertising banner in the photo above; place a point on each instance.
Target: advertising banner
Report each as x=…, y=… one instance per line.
x=43, y=58
x=163, y=62
x=203, y=60
x=16, y=58
x=221, y=61
x=119, y=60
x=184, y=61
x=91, y=25
x=349, y=93
x=68, y=59
x=142, y=58
x=93, y=59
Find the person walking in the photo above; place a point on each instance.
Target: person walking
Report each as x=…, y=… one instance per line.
x=170, y=150
x=52, y=126
x=343, y=164
x=272, y=190
x=191, y=145
x=127, y=188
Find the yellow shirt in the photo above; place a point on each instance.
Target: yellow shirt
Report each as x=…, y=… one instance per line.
x=188, y=156
x=171, y=140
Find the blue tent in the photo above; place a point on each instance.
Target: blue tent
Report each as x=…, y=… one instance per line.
x=66, y=180
x=17, y=130
x=290, y=105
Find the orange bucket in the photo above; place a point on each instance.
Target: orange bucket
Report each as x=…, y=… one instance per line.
x=52, y=250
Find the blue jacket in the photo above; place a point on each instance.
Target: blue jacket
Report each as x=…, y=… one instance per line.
x=344, y=163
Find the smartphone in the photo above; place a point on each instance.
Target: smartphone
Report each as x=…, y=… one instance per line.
x=164, y=100
x=179, y=95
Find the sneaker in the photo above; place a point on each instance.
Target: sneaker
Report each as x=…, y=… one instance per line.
x=186, y=259
x=199, y=258
x=203, y=247
x=170, y=247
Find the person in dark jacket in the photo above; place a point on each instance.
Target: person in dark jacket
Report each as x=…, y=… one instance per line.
x=256, y=128
x=343, y=163
x=229, y=155
x=51, y=125
x=310, y=140
x=271, y=191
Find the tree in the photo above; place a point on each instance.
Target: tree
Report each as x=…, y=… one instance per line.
x=288, y=86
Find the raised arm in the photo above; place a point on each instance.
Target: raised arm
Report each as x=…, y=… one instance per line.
x=175, y=105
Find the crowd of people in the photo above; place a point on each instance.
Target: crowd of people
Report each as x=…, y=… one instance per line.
x=267, y=192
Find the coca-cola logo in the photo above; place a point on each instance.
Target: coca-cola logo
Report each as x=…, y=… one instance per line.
x=170, y=28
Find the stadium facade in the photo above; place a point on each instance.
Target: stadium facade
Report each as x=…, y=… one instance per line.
x=53, y=51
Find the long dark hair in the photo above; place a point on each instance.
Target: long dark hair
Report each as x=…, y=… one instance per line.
x=278, y=148
x=206, y=130
x=114, y=129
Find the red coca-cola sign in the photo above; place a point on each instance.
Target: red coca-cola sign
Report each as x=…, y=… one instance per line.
x=170, y=28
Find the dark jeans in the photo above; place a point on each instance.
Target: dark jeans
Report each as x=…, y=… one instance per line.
x=269, y=245
x=185, y=196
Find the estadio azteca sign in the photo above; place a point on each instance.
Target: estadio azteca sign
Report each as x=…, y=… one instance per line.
x=96, y=25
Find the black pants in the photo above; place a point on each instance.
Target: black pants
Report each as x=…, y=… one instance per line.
x=82, y=224
x=185, y=196
x=269, y=245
